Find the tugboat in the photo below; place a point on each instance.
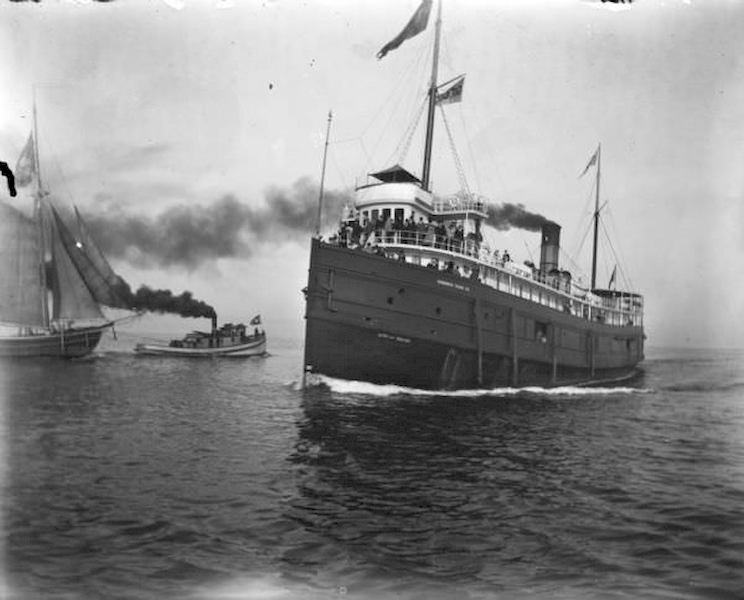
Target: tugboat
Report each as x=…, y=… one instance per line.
x=228, y=340
x=408, y=293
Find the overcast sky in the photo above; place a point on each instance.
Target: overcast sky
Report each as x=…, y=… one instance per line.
x=213, y=114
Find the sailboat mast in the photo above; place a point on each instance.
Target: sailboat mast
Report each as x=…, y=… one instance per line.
x=322, y=175
x=40, y=223
x=596, y=220
x=36, y=150
x=426, y=172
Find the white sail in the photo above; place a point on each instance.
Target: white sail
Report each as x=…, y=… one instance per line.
x=20, y=282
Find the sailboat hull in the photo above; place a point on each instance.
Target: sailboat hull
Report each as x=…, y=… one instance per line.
x=72, y=343
x=373, y=319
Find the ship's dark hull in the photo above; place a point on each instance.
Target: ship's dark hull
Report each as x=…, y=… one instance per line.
x=373, y=319
x=72, y=343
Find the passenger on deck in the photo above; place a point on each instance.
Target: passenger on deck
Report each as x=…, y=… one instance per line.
x=506, y=258
x=440, y=232
x=388, y=228
x=430, y=238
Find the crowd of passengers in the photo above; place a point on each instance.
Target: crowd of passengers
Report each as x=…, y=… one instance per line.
x=352, y=233
x=451, y=237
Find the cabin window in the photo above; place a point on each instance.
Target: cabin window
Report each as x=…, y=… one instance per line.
x=375, y=214
x=398, y=214
x=541, y=331
x=385, y=213
x=366, y=216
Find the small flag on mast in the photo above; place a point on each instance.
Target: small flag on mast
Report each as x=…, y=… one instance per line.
x=416, y=25
x=612, y=277
x=26, y=166
x=256, y=320
x=591, y=163
x=452, y=91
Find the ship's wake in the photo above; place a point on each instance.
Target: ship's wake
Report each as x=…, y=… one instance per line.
x=363, y=388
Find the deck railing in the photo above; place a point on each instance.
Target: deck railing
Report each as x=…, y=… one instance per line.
x=455, y=204
x=553, y=291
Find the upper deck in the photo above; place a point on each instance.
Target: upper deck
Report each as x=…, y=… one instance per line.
x=397, y=218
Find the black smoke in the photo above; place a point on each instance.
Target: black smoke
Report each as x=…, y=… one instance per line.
x=162, y=301
x=191, y=234
x=505, y=216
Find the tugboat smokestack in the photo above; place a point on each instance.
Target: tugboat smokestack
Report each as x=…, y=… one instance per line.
x=551, y=236
x=214, y=323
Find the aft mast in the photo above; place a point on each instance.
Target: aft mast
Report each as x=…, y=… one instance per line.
x=596, y=221
x=426, y=171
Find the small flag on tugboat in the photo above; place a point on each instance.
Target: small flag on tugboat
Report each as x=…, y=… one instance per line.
x=592, y=162
x=612, y=278
x=26, y=165
x=452, y=91
x=416, y=25
x=256, y=320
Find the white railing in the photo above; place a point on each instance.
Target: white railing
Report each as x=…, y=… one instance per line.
x=454, y=204
x=506, y=276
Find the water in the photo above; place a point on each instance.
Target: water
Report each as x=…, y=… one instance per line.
x=132, y=477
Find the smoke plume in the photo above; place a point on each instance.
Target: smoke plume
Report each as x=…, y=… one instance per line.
x=505, y=216
x=188, y=235
x=162, y=301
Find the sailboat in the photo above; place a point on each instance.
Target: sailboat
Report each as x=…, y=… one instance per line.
x=54, y=278
x=407, y=293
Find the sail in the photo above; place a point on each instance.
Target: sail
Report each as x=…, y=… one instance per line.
x=105, y=294
x=20, y=288
x=72, y=297
x=91, y=265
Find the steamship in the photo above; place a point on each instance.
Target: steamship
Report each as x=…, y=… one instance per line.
x=418, y=307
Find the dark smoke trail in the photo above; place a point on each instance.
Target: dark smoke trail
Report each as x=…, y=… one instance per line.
x=189, y=235
x=163, y=301
x=505, y=216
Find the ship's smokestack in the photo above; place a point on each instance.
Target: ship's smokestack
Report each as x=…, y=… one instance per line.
x=214, y=323
x=551, y=235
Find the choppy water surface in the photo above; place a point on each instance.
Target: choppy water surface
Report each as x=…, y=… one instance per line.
x=133, y=477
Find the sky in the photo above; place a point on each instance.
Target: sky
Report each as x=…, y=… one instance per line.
x=190, y=134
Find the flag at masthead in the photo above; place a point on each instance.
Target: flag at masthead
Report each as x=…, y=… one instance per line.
x=416, y=25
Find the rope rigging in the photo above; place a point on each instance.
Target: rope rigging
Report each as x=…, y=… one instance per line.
x=458, y=163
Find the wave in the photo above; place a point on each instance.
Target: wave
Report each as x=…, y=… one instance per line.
x=343, y=386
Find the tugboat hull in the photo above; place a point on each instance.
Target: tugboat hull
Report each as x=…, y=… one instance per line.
x=253, y=348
